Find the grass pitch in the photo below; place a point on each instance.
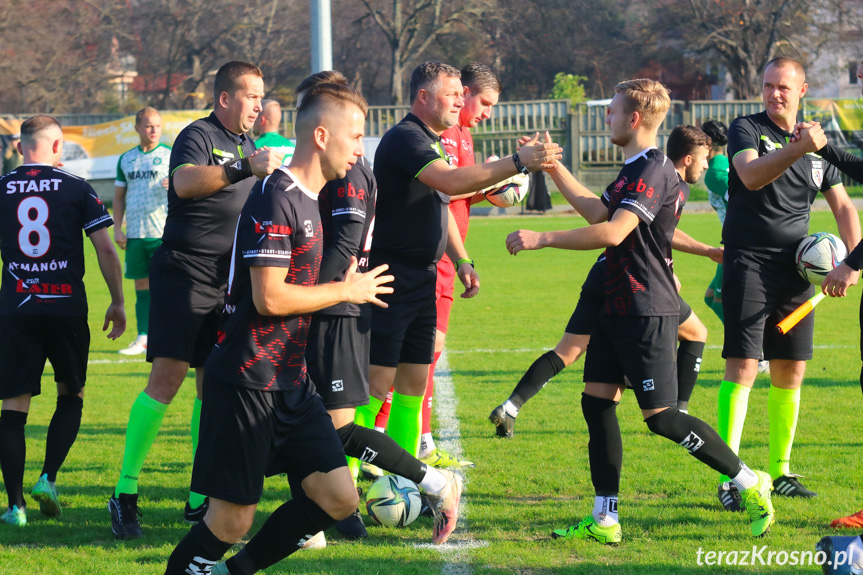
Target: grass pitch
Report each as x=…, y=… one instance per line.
x=522, y=488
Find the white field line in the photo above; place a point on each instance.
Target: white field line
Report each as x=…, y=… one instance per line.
x=544, y=349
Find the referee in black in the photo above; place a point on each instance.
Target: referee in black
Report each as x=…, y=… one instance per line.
x=213, y=168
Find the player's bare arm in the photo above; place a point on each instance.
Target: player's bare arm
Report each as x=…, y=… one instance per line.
x=457, y=181
x=683, y=242
x=579, y=197
x=755, y=172
x=456, y=251
x=119, y=213
x=201, y=181
x=112, y=271
x=842, y=277
x=593, y=237
x=274, y=297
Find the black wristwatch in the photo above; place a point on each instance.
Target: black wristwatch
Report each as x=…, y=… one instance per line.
x=518, y=165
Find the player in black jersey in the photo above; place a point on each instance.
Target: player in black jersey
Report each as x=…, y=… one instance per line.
x=213, y=168
x=415, y=181
x=687, y=148
x=43, y=305
x=337, y=353
x=635, y=334
x=261, y=406
x=772, y=183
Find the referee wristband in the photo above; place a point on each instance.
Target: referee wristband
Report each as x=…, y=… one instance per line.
x=465, y=261
x=238, y=170
x=518, y=165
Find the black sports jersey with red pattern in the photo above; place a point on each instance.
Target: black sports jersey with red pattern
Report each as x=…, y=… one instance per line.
x=352, y=198
x=42, y=212
x=639, y=280
x=279, y=227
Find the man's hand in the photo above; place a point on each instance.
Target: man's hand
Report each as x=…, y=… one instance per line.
x=523, y=240
x=716, y=254
x=838, y=281
x=120, y=237
x=676, y=282
x=810, y=136
x=365, y=288
x=115, y=315
x=535, y=156
x=470, y=279
x=264, y=162
x=165, y=183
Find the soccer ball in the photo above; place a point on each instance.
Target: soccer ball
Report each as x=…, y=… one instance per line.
x=509, y=192
x=393, y=501
x=817, y=254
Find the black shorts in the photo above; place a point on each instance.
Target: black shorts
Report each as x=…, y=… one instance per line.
x=758, y=291
x=591, y=300
x=247, y=434
x=187, y=297
x=337, y=357
x=26, y=341
x=405, y=331
x=643, y=349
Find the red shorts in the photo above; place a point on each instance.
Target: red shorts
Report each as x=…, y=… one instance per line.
x=444, y=288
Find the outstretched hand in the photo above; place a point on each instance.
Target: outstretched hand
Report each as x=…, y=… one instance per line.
x=366, y=287
x=521, y=240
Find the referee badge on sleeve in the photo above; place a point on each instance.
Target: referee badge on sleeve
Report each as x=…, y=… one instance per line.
x=817, y=172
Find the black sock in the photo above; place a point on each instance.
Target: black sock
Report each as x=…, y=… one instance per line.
x=197, y=552
x=688, y=365
x=380, y=449
x=605, y=448
x=861, y=368
x=699, y=439
x=62, y=433
x=537, y=375
x=284, y=532
x=13, y=451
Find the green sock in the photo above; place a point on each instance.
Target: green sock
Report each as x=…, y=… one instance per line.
x=733, y=401
x=406, y=421
x=145, y=419
x=364, y=417
x=142, y=310
x=783, y=406
x=195, y=499
x=716, y=306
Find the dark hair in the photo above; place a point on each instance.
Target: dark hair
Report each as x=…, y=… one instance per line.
x=427, y=74
x=35, y=125
x=717, y=131
x=143, y=112
x=781, y=61
x=325, y=77
x=684, y=140
x=330, y=92
x=228, y=77
x=479, y=78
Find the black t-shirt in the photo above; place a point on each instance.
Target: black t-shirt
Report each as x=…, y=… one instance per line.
x=639, y=281
x=200, y=225
x=775, y=218
x=853, y=167
x=42, y=212
x=279, y=227
x=412, y=219
x=347, y=206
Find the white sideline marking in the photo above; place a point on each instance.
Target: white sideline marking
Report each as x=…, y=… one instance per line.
x=543, y=349
x=455, y=553
x=113, y=361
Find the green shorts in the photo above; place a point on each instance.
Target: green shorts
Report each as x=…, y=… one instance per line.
x=139, y=252
x=716, y=283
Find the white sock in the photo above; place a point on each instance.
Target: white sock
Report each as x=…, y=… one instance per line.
x=381, y=429
x=605, y=510
x=510, y=408
x=433, y=481
x=426, y=445
x=746, y=479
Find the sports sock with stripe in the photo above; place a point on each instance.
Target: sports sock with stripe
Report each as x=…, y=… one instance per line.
x=405, y=421
x=364, y=416
x=733, y=401
x=145, y=419
x=62, y=432
x=380, y=449
x=537, y=375
x=142, y=310
x=13, y=452
x=383, y=415
x=689, y=355
x=197, y=552
x=783, y=407
x=605, y=510
x=195, y=499
x=427, y=444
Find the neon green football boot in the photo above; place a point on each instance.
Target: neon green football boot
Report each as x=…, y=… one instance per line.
x=590, y=529
x=756, y=501
x=443, y=460
x=46, y=494
x=15, y=516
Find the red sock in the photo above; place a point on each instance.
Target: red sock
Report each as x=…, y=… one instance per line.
x=384, y=414
x=429, y=396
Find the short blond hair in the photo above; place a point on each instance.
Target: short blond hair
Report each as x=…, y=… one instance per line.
x=647, y=97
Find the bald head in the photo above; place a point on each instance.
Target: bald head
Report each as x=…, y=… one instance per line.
x=783, y=61
x=41, y=140
x=269, y=118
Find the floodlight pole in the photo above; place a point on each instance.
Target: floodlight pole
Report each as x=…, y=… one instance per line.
x=322, y=36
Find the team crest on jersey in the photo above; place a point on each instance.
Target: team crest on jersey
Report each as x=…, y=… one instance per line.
x=33, y=173
x=768, y=145
x=308, y=229
x=817, y=172
x=157, y=161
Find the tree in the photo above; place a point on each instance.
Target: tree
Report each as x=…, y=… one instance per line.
x=413, y=25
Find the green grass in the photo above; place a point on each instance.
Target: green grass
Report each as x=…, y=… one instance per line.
x=522, y=488
x=697, y=193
